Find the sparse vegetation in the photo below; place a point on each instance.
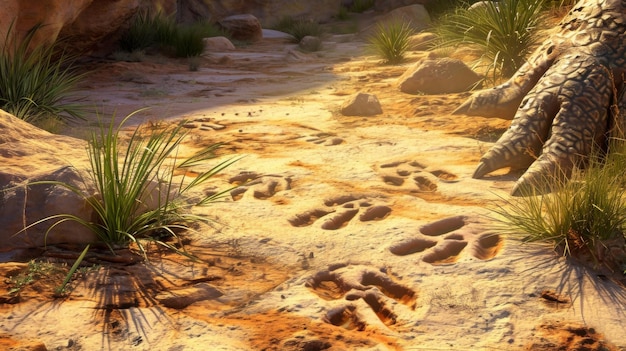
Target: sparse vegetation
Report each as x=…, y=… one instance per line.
x=138, y=200
x=38, y=81
x=158, y=30
x=391, y=40
x=505, y=31
x=360, y=6
x=299, y=28
x=584, y=217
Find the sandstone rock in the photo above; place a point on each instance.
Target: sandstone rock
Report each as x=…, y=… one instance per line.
x=29, y=154
x=268, y=12
x=438, y=77
x=95, y=26
x=362, y=104
x=310, y=43
x=242, y=27
x=388, y=5
x=84, y=22
x=217, y=44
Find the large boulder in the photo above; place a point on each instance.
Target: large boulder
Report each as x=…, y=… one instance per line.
x=441, y=76
x=86, y=23
x=242, y=27
x=29, y=154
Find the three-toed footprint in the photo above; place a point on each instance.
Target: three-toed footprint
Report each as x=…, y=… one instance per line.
x=337, y=212
x=448, y=240
x=258, y=186
x=419, y=175
x=354, y=282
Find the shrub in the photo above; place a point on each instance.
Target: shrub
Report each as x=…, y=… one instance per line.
x=149, y=30
x=360, y=6
x=36, y=82
x=188, y=42
x=137, y=198
x=582, y=217
x=504, y=31
x=299, y=28
x=391, y=40
x=141, y=34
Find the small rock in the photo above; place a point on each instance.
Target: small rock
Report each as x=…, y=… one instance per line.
x=438, y=77
x=362, y=104
x=217, y=44
x=310, y=43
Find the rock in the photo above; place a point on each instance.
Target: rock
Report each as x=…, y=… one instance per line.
x=242, y=27
x=388, y=5
x=414, y=14
x=268, y=12
x=438, y=77
x=217, y=44
x=30, y=154
x=362, y=104
x=310, y=43
x=85, y=23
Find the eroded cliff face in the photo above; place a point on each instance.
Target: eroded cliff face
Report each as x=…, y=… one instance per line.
x=85, y=23
x=89, y=25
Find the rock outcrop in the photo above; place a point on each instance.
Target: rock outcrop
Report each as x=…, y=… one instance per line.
x=85, y=23
x=29, y=154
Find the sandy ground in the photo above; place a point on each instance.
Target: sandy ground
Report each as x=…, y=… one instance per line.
x=350, y=233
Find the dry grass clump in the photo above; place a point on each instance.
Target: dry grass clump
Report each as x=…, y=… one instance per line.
x=584, y=217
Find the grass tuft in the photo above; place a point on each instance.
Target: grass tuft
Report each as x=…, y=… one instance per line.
x=298, y=28
x=584, y=217
x=505, y=31
x=138, y=200
x=36, y=82
x=391, y=40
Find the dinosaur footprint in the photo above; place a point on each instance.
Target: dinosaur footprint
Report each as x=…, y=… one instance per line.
x=326, y=139
x=448, y=240
x=337, y=212
x=356, y=282
x=414, y=174
x=258, y=186
x=204, y=124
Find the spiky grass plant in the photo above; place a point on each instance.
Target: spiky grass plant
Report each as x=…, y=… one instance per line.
x=583, y=217
x=189, y=38
x=391, y=40
x=142, y=173
x=299, y=28
x=137, y=200
x=37, y=82
x=503, y=30
x=140, y=34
